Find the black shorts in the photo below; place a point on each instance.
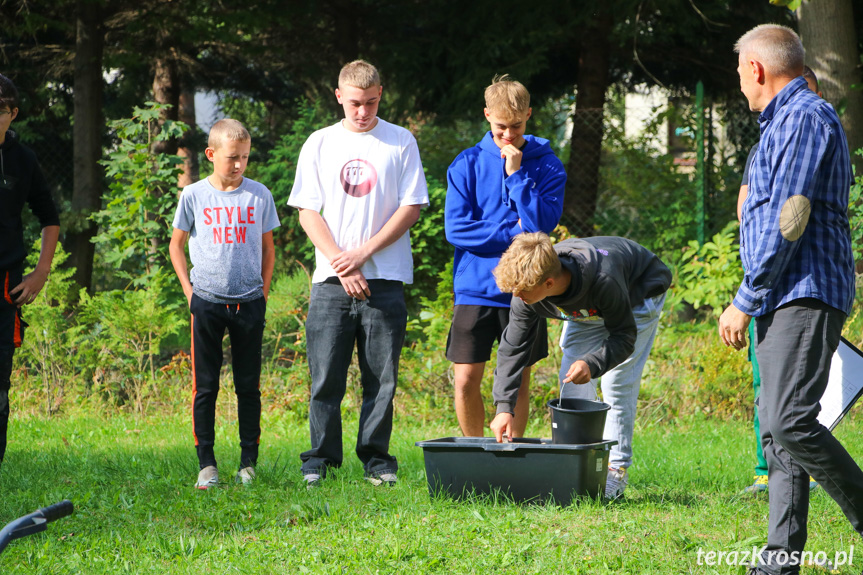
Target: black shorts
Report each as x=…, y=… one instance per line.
x=11, y=323
x=474, y=330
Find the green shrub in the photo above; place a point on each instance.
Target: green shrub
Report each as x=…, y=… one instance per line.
x=125, y=329
x=135, y=222
x=50, y=344
x=708, y=276
x=285, y=372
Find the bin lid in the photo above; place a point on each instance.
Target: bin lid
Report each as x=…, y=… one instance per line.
x=529, y=443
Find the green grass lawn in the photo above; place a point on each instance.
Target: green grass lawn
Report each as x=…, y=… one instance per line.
x=137, y=512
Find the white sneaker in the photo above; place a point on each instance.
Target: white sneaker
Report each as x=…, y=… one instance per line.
x=615, y=482
x=388, y=479
x=208, y=477
x=246, y=475
x=313, y=480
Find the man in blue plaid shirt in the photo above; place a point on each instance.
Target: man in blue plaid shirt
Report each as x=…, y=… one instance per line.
x=795, y=245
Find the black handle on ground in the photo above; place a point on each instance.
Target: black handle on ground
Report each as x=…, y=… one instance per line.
x=35, y=522
x=57, y=511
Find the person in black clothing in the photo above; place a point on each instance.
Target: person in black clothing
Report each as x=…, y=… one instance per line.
x=21, y=180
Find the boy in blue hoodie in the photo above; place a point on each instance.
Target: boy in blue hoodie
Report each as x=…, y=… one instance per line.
x=507, y=184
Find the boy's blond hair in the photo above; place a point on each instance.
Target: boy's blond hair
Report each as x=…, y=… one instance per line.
x=507, y=98
x=359, y=74
x=529, y=261
x=227, y=130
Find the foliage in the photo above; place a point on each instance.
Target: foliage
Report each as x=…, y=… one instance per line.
x=135, y=223
x=278, y=172
x=49, y=345
x=709, y=276
x=691, y=372
x=284, y=368
x=855, y=214
x=126, y=329
x=644, y=195
x=431, y=252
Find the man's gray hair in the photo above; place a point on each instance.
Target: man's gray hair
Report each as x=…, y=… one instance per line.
x=778, y=48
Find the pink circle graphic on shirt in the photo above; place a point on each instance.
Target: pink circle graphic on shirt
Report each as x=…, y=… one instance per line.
x=358, y=178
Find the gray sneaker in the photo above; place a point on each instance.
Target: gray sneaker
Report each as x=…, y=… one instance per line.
x=246, y=475
x=615, y=482
x=388, y=479
x=208, y=477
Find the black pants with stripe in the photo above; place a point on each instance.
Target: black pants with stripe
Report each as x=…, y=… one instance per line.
x=11, y=335
x=244, y=323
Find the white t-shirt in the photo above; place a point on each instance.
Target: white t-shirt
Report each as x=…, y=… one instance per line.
x=357, y=181
x=225, y=238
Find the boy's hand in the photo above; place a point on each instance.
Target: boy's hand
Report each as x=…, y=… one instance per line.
x=513, y=158
x=355, y=284
x=579, y=373
x=29, y=288
x=349, y=260
x=500, y=425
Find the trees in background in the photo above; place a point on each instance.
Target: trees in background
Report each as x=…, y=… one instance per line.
x=436, y=57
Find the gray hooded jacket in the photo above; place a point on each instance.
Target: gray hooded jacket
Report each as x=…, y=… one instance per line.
x=610, y=276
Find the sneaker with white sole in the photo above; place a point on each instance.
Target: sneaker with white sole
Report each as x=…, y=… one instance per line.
x=388, y=479
x=313, y=480
x=208, y=477
x=246, y=475
x=758, y=486
x=615, y=482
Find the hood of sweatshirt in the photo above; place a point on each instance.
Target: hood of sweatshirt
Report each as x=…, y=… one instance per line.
x=533, y=147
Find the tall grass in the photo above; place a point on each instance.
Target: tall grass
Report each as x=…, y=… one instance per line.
x=131, y=480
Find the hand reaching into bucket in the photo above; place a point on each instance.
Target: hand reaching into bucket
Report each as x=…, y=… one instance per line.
x=501, y=425
x=579, y=373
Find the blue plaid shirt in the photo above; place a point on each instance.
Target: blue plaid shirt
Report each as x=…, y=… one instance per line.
x=802, y=151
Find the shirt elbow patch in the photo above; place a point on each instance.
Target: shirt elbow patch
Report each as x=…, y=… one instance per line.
x=794, y=217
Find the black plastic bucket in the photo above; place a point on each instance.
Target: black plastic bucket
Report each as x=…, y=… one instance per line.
x=577, y=421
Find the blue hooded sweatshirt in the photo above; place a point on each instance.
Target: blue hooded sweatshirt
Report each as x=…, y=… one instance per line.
x=484, y=206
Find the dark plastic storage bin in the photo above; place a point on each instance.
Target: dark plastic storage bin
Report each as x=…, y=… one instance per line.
x=528, y=470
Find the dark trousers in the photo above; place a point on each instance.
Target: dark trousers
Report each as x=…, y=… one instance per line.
x=11, y=335
x=795, y=346
x=244, y=323
x=377, y=326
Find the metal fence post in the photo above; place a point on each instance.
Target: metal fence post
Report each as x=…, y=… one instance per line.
x=700, y=168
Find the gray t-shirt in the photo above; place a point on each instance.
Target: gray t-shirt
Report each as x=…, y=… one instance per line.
x=225, y=231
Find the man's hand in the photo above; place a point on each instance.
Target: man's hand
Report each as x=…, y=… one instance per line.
x=513, y=158
x=29, y=288
x=355, y=284
x=502, y=425
x=349, y=260
x=579, y=373
x=733, y=325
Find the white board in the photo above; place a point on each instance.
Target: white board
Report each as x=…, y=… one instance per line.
x=844, y=386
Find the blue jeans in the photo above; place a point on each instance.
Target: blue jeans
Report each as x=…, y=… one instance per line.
x=620, y=384
x=376, y=325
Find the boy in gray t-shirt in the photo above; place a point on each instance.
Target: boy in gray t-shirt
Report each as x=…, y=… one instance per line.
x=228, y=221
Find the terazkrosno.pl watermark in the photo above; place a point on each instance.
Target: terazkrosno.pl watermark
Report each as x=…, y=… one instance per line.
x=781, y=558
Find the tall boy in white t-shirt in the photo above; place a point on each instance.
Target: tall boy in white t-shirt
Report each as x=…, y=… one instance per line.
x=359, y=188
x=228, y=220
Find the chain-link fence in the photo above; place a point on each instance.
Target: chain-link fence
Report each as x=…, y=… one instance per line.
x=633, y=169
